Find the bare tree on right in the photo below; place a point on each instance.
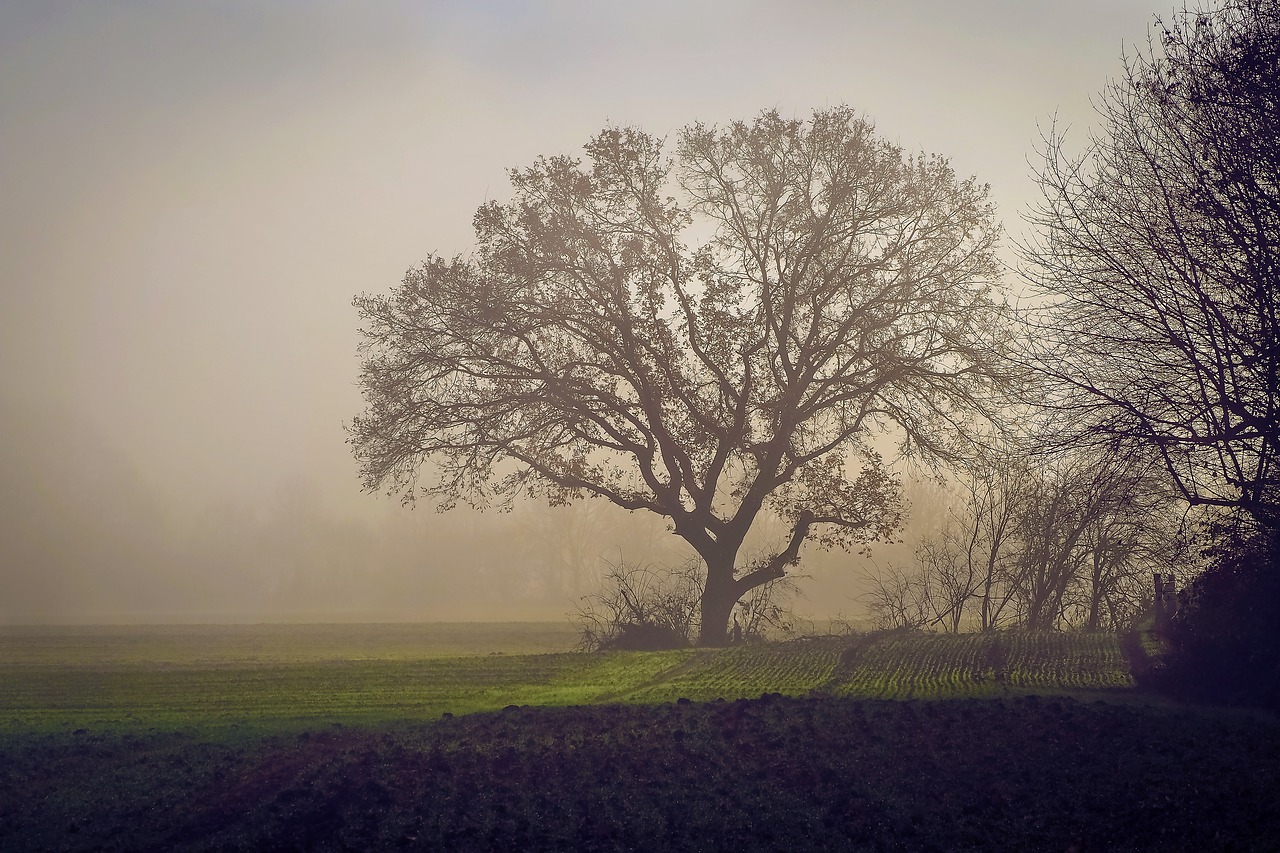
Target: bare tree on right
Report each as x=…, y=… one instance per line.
x=1158, y=261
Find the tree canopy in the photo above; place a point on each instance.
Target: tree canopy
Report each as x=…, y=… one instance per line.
x=705, y=335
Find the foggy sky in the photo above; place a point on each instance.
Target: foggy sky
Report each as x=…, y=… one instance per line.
x=191, y=193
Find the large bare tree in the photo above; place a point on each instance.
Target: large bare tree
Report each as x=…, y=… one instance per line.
x=707, y=337
x=1158, y=259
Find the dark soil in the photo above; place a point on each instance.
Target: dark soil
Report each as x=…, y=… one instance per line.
x=769, y=774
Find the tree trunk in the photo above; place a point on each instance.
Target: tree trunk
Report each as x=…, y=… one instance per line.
x=718, y=598
x=1095, y=602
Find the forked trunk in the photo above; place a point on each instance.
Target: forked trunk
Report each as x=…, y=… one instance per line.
x=723, y=591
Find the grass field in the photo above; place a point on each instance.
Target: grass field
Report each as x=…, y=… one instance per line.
x=438, y=738
x=292, y=677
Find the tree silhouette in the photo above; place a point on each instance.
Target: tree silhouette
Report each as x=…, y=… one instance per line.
x=707, y=359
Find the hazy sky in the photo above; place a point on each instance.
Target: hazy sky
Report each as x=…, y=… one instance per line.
x=192, y=192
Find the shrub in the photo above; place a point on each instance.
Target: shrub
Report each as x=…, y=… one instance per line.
x=641, y=608
x=638, y=637
x=1224, y=641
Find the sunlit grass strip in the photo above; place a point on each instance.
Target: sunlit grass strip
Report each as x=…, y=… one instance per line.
x=316, y=693
x=607, y=675
x=346, y=691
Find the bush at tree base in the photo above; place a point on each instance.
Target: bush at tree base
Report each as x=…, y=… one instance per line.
x=1224, y=641
x=635, y=637
x=641, y=607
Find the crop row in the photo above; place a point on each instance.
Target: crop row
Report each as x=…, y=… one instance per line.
x=1069, y=661
x=791, y=668
x=906, y=666
x=902, y=665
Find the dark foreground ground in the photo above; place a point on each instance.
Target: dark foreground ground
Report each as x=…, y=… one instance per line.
x=769, y=774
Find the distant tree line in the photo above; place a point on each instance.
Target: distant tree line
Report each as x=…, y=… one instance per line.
x=1068, y=541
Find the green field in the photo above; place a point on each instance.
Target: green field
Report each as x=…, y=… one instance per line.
x=444, y=738
x=297, y=677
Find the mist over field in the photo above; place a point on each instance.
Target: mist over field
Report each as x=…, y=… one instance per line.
x=191, y=194
x=110, y=549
